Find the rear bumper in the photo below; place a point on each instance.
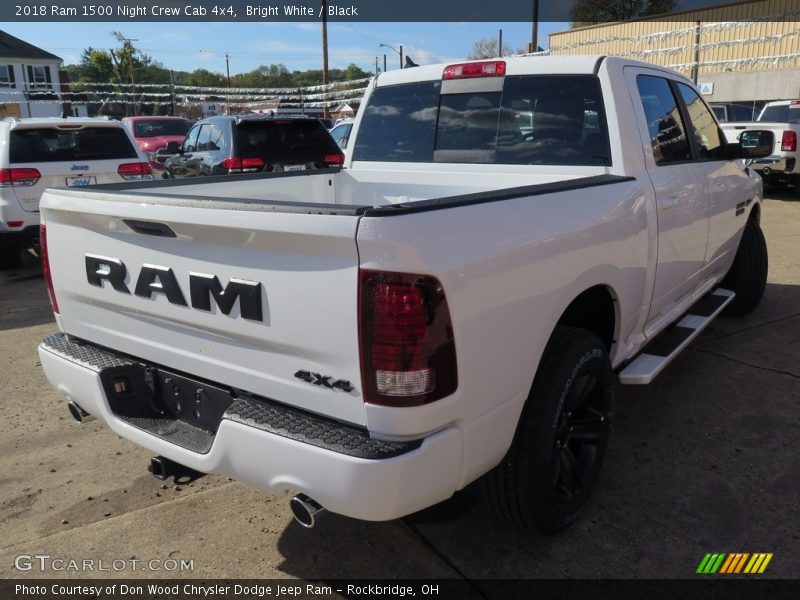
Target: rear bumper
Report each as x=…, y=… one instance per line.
x=777, y=165
x=25, y=221
x=253, y=444
x=25, y=237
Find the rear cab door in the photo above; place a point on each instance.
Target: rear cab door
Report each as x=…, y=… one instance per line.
x=729, y=187
x=680, y=188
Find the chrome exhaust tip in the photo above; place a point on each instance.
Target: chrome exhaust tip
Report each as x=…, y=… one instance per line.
x=307, y=511
x=80, y=415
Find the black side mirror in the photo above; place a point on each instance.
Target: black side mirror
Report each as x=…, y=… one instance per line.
x=753, y=143
x=172, y=148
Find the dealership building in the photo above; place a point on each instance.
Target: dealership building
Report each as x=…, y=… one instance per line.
x=745, y=52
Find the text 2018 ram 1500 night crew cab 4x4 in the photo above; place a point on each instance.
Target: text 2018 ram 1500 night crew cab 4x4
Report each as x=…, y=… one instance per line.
x=504, y=239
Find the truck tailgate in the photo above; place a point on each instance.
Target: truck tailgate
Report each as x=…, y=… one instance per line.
x=304, y=266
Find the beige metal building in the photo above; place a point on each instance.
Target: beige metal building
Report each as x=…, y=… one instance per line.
x=741, y=52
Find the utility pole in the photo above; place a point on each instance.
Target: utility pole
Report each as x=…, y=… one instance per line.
x=401, y=56
x=534, y=46
x=227, y=83
x=129, y=41
x=384, y=62
x=376, y=65
x=325, y=112
x=172, y=90
x=500, y=45
x=696, y=67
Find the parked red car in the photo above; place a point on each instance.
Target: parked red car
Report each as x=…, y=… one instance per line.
x=154, y=133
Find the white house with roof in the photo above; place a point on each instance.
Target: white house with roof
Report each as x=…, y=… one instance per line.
x=29, y=83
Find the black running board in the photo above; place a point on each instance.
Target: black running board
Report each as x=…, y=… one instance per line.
x=663, y=349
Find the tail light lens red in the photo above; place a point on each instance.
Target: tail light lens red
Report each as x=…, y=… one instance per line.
x=789, y=141
x=135, y=171
x=235, y=165
x=492, y=68
x=408, y=355
x=334, y=160
x=19, y=177
x=48, y=277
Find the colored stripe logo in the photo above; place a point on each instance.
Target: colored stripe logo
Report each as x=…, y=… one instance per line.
x=734, y=563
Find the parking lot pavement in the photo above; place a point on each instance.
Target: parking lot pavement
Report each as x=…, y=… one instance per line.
x=703, y=460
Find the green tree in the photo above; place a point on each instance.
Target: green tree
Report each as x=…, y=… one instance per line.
x=353, y=71
x=96, y=66
x=203, y=78
x=589, y=12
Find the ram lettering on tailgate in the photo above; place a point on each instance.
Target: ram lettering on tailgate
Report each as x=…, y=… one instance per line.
x=161, y=280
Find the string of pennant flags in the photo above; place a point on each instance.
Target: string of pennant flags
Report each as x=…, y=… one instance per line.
x=198, y=95
x=661, y=36
x=223, y=90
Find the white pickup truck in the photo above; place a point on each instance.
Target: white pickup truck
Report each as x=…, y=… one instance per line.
x=506, y=237
x=782, y=166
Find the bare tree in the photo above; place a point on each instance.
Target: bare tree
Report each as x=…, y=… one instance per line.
x=487, y=48
x=589, y=12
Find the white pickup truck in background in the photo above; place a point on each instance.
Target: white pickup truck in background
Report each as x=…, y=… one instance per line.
x=782, y=166
x=506, y=237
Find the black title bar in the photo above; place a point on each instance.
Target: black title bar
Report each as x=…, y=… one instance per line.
x=345, y=10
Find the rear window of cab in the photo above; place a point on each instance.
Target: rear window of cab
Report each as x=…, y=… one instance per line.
x=534, y=120
x=50, y=144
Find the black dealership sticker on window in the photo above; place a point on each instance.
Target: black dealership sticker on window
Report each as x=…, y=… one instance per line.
x=334, y=10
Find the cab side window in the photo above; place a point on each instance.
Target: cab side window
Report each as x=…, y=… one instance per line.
x=190, y=143
x=215, y=138
x=664, y=122
x=203, y=137
x=710, y=141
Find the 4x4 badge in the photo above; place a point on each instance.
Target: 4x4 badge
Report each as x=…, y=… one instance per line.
x=325, y=381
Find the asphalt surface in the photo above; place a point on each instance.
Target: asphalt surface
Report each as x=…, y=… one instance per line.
x=705, y=459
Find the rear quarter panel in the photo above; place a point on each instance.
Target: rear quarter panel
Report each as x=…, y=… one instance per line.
x=509, y=269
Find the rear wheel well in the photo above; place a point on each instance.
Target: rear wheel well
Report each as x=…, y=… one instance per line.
x=755, y=214
x=594, y=311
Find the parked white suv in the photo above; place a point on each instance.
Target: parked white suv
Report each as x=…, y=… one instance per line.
x=53, y=152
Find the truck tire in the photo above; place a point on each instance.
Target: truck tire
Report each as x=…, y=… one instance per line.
x=10, y=256
x=748, y=274
x=544, y=482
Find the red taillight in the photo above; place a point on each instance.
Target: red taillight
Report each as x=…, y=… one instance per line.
x=789, y=141
x=135, y=171
x=19, y=177
x=242, y=165
x=408, y=354
x=333, y=160
x=48, y=277
x=493, y=68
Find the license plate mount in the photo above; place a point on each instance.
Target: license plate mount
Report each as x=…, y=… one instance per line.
x=81, y=181
x=190, y=400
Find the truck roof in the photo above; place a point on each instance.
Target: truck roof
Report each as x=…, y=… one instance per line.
x=515, y=65
x=154, y=118
x=16, y=122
